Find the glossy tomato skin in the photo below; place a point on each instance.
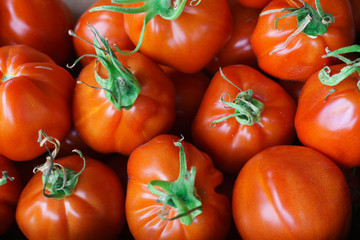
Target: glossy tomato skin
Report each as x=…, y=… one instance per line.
x=95, y=210
x=331, y=126
x=9, y=194
x=229, y=143
x=238, y=49
x=187, y=43
x=35, y=94
x=254, y=3
x=291, y=192
x=302, y=56
x=108, y=130
x=159, y=159
x=107, y=23
x=42, y=25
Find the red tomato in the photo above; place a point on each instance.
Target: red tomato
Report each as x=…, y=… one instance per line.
x=10, y=188
x=238, y=48
x=230, y=143
x=291, y=192
x=254, y=3
x=109, y=24
x=159, y=160
x=42, y=25
x=331, y=126
x=187, y=43
x=300, y=56
x=106, y=129
x=292, y=87
x=35, y=94
x=94, y=210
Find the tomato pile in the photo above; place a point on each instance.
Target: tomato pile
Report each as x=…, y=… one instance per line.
x=159, y=119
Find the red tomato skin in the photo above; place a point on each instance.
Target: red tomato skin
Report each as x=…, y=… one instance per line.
x=105, y=22
x=42, y=25
x=254, y=3
x=302, y=56
x=287, y=192
x=37, y=97
x=159, y=159
x=108, y=130
x=95, y=210
x=9, y=194
x=238, y=49
x=187, y=43
x=331, y=126
x=229, y=143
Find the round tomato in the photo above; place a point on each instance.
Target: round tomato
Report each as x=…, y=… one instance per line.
x=94, y=210
x=290, y=55
x=42, y=25
x=200, y=212
x=291, y=192
x=254, y=3
x=108, y=23
x=242, y=113
x=238, y=48
x=329, y=120
x=35, y=93
x=10, y=188
x=186, y=43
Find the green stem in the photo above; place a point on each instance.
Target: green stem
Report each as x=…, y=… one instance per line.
x=7, y=77
x=121, y=87
x=180, y=194
x=247, y=109
x=5, y=177
x=152, y=8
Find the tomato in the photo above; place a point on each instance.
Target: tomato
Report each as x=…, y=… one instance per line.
x=330, y=122
x=35, y=94
x=106, y=127
x=42, y=25
x=292, y=87
x=238, y=49
x=254, y=3
x=105, y=22
x=94, y=210
x=189, y=90
x=231, y=141
x=186, y=43
x=158, y=161
x=296, y=57
x=10, y=188
x=291, y=192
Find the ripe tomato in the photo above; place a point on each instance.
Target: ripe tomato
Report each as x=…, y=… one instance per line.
x=35, y=94
x=297, y=57
x=254, y=3
x=107, y=129
x=330, y=126
x=238, y=48
x=94, y=210
x=42, y=25
x=231, y=142
x=291, y=192
x=10, y=188
x=109, y=24
x=159, y=160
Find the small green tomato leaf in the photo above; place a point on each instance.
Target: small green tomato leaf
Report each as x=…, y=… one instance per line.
x=5, y=177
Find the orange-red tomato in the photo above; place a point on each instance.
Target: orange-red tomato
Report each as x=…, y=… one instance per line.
x=230, y=143
x=109, y=24
x=291, y=192
x=9, y=192
x=301, y=56
x=42, y=25
x=94, y=210
x=35, y=94
x=159, y=160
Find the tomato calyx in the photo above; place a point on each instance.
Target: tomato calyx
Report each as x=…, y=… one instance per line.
x=7, y=77
x=167, y=9
x=58, y=180
x=180, y=194
x=5, y=177
x=310, y=21
x=351, y=66
x=247, y=109
x=121, y=87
